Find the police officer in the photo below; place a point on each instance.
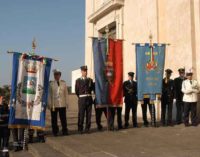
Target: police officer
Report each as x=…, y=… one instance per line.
x=4, y=131
x=167, y=98
x=190, y=88
x=58, y=102
x=179, y=95
x=83, y=88
x=130, y=95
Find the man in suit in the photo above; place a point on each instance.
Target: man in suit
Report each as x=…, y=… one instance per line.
x=83, y=88
x=167, y=98
x=190, y=88
x=58, y=102
x=179, y=95
x=130, y=95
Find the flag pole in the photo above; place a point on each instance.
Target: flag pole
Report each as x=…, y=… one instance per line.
x=107, y=52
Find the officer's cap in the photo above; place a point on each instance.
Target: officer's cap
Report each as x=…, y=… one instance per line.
x=189, y=72
x=168, y=71
x=84, y=68
x=181, y=70
x=131, y=74
x=56, y=71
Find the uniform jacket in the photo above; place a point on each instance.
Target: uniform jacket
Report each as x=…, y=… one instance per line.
x=177, y=88
x=4, y=115
x=130, y=92
x=168, y=90
x=58, y=94
x=84, y=86
x=190, y=90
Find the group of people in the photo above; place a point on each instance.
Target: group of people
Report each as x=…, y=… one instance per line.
x=184, y=89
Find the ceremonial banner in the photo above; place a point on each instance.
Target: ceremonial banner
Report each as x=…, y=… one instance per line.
x=149, y=67
x=108, y=67
x=30, y=79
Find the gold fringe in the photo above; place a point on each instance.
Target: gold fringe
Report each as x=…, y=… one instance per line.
x=26, y=127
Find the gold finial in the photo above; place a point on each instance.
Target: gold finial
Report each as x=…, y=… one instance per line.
x=34, y=45
x=151, y=38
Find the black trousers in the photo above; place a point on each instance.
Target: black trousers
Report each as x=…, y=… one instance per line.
x=132, y=107
x=190, y=107
x=85, y=109
x=151, y=110
x=4, y=136
x=112, y=111
x=179, y=111
x=166, y=106
x=18, y=137
x=63, y=119
x=99, y=112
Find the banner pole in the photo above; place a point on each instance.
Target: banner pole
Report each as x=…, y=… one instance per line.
x=107, y=51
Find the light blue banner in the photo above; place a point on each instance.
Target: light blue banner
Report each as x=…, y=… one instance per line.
x=150, y=67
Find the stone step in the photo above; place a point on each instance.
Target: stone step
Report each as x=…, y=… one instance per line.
x=45, y=150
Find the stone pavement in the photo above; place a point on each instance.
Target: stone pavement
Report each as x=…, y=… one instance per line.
x=176, y=141
x=143, y=142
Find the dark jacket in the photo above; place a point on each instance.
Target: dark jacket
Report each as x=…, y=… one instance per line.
x=130, y=92
x=85, y=86
x=4, y=115
x=178, y=94
x=168, y=91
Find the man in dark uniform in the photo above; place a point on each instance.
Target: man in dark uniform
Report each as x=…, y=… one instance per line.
x=130, y=95
x=179, y=95
x=83, y=88
x=167, y=98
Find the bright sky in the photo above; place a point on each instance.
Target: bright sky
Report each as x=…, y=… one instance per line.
x=57, y=25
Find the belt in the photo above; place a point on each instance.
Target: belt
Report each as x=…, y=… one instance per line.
x=84, y=95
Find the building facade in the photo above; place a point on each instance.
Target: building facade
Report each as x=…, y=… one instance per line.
x=176, y=22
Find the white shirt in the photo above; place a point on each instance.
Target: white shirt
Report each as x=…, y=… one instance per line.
x=190, y=88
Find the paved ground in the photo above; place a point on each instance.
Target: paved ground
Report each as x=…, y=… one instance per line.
x=176, y=141
x=143, y=142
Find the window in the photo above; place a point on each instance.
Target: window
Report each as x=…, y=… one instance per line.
x=111, y=33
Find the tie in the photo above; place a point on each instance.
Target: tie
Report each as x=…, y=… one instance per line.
x=191, y=82
x=58, y=83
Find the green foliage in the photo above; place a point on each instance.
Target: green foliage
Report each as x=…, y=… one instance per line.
x=5, y=92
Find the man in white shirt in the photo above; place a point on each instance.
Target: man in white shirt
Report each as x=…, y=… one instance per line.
x=190, y=88
x=57, y=102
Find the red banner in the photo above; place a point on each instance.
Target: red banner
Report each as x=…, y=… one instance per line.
x=115, y=68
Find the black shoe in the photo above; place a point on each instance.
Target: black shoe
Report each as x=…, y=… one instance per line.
x=87, y=131
x=80, y=132
x=187, y=125
x=126, y=126
x=41, y=139
x=112, y=128
x=55, y=134
x=120, y=128
x=100, y=127
x=65, y=133
x=135, y=126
